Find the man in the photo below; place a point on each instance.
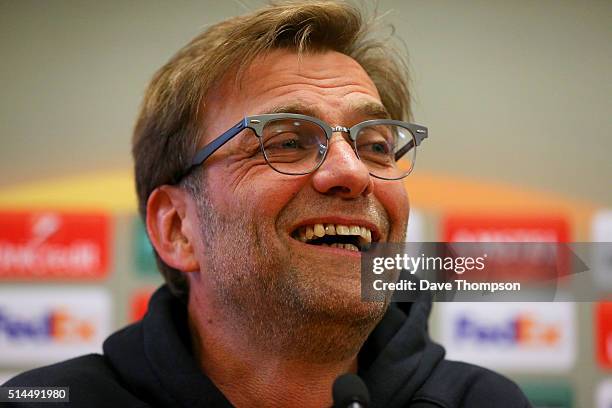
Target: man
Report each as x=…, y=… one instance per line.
x=268, y=154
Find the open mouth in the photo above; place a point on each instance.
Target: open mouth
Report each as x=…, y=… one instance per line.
x=351, y=237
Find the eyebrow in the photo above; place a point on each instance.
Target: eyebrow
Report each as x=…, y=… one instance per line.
x=369, y=109
x=295, y=107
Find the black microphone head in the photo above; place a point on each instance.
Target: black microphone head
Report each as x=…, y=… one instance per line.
x=349, y=388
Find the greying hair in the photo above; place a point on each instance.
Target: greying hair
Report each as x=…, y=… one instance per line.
x=170, y=124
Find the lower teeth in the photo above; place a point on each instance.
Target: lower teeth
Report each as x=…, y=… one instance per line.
x=350, y=247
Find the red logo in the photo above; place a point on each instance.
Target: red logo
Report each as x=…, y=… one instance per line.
x=505, y=229
x=525, y=260
x=52, y=245
x=603, y=335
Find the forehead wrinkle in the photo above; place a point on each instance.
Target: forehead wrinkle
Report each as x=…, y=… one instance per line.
x=369, y=109
x=288, y=81
x=278, y=90
x=298, y=107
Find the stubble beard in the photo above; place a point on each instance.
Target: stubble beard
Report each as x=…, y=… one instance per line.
x=271, y=301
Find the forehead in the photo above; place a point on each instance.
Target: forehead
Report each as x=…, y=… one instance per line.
x=327, y=81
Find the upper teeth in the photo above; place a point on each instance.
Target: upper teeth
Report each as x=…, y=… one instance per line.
x=309, y=232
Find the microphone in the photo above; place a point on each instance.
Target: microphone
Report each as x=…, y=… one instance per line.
x=349, y=391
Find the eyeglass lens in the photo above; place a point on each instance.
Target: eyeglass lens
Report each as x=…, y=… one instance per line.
x=298, y=146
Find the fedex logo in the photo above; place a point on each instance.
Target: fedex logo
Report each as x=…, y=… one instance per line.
x=57, y=325
x=538, y=336
x=44, y=325
x=521, y=330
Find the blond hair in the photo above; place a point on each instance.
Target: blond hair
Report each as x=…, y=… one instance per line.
x=169, y=125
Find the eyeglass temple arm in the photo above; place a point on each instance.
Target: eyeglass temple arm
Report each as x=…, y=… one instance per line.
x=213, y=146
x=420, y=135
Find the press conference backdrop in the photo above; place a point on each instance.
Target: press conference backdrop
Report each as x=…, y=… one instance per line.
x=517, y=99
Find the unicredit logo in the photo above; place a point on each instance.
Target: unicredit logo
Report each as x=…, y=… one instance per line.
x=55, y=325
x=520, y=330
x=78, y=256
x=37, y=254
x=53, y=245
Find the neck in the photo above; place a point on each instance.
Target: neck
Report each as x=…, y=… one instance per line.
x=253, y=373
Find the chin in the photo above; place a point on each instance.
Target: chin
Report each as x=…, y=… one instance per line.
x=342, y=304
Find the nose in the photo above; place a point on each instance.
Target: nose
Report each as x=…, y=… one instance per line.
x=342, y=173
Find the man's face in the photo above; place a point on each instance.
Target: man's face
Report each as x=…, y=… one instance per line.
x=251, y=215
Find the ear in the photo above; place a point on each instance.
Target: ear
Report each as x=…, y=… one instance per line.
x=171, y=227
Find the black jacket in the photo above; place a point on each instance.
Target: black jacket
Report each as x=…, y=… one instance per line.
x=150, y=364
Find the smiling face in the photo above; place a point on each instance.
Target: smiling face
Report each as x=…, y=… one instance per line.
x=257, y=252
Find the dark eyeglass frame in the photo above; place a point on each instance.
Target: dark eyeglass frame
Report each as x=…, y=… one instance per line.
x=257, y=123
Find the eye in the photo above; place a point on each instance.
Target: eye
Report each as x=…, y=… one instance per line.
x=289, y=144
x=380, y=148
x=375, y=146
x=284, y=141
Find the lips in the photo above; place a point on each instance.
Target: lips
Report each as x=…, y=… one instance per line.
x=351, y=237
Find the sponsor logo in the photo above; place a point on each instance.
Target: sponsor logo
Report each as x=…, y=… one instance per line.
x=521, y=330
x=53, y=245
x=505, y=229
x=57, y=325
x=40, y=326
x=530, y=262
x=524, y=336
x=603, y=335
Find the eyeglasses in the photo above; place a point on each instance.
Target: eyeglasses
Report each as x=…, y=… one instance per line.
x=298, y=144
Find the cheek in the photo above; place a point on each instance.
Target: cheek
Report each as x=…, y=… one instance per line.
x=394, y=198
x=261, y=195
